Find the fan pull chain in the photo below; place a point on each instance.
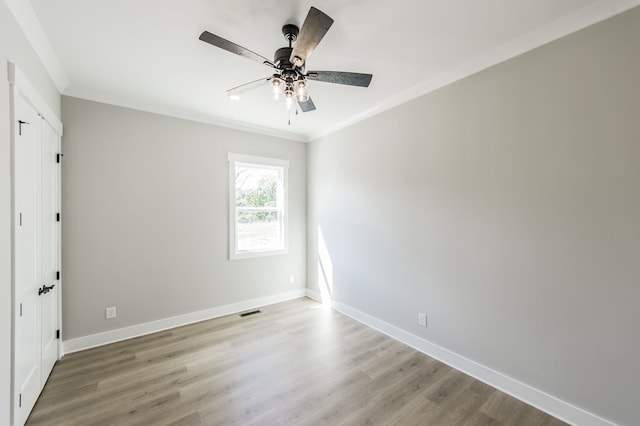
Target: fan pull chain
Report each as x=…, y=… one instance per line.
x=297, y=112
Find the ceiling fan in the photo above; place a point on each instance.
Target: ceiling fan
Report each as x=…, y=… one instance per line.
x=290, y=77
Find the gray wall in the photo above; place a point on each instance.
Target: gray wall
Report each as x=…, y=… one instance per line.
x=507, y=207
x=15, y=48
x=145, y=218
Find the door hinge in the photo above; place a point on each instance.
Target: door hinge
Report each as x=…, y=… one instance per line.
x=57, y=217
x=59, y=157
x=57, y=333
x=57, y=275
x=20, y=401
x=21, y=309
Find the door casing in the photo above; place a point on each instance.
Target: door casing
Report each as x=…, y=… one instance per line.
x=36, y=316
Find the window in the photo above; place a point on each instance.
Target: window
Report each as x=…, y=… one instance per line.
x=257, y=206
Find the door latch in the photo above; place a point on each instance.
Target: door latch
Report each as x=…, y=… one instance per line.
x=45, y=289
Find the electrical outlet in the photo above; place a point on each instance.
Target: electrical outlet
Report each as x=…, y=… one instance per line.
x=291, y=279
x=110, y=312
x=422, y=319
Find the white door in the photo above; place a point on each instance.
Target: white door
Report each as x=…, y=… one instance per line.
x=49, y=247
x=27, y=326
x=37, y=233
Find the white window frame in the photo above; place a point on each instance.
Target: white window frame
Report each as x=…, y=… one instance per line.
x=260, y=162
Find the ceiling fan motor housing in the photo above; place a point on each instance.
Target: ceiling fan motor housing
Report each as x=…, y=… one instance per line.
x=281, y=58
x=290, y=76
x=290, y=32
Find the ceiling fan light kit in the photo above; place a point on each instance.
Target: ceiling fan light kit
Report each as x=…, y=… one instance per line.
x=290, y=78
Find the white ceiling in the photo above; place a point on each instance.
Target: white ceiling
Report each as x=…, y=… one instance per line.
x=146, y=54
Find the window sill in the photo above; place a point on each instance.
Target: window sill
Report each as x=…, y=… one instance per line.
x=252, y=254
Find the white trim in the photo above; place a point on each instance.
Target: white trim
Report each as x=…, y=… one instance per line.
x=21, y=88
x=112, y=336
x=555, y=30
x=32, y=96
x=582, y=18
x=174, y=112
x=541, y=400
x=314, y=295
x=280, y=165
x=233, y=157
x=30, y=24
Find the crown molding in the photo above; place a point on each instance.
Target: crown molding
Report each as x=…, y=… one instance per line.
x=180, y=113
x=580, y=19
x=32, y=29
x=23, y=86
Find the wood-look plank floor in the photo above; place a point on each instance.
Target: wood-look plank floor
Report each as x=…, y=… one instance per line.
x=295, y=363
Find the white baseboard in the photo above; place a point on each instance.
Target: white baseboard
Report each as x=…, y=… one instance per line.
x=99, y=339
x=532, y=396
x=315, y=295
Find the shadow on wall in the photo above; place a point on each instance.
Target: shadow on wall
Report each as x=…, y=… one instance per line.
x=325, y=270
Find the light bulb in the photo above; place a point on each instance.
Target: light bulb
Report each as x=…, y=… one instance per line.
x=289, y=100
x=275, y=84
x=302, y=88
x=301, y=92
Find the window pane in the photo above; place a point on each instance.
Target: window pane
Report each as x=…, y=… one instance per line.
x=258, y=231
x=256, y=187
x=257, y=206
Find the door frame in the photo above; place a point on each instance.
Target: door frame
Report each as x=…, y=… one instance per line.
x=19, y=85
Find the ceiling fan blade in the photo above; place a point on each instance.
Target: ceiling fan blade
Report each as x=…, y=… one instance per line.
x=220, y=42
x=307, y=105
x=340, y=77
x=244, y=88
x=314, y=27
